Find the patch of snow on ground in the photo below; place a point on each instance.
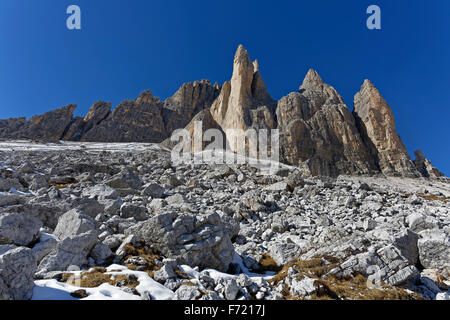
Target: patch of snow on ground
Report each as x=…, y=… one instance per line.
x=146, y=284
x=54, y=290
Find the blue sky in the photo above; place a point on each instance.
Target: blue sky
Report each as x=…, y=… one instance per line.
x=125, y=47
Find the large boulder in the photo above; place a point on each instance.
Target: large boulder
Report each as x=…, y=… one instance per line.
x=100, y=192
x=101, y=253
x=47, y=211
x=72, y=251
x=285, y=252
x=73, y=223
x=46, y=245
x=130, y=210
x=19, y=228
x=195, y=240
x=406, y=241
x=124, y=180
x=386, y=264
x=419, y=222
x=434, y=250
x=17, y=268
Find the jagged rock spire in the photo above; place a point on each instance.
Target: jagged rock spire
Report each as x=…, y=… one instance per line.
x=240, y=103
x=312, y=79
x=313, y=83
x=425, y=167
x=376, y=124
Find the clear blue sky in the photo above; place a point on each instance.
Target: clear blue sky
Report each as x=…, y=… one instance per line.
x=125, y=47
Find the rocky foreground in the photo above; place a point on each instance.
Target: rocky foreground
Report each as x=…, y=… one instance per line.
x=120, y=221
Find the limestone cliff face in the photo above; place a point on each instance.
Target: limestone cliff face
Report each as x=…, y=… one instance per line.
x=80, y=126
x=244, y=102
x=49, y=126
x=137, y=120
x=376, y=124
x=10, y=128
x=318, y=132
x=190, y=99
x=206, y=121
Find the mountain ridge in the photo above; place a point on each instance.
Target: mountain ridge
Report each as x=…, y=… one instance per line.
x=319, y=132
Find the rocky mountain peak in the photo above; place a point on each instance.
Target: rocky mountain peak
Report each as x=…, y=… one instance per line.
x=367, y=84
x=241, y=55
x=312, y=79
x=99, y=110
x=241, y=81
x=244, y=101
x=147, y=97
x=376, y=123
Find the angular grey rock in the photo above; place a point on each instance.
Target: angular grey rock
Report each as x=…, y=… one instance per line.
x=434, y=251
x=121, y=251
x=101, y=253
x=195, y=240
x=294, y=180
x=8, y=199
x=165, y=273
x=48, y=211
x=73, y=223
x=418, y=222
x=175, y=199
x=90, y=207
x=153, y=190
x=39, y=181
x=19, y=228
x=129, y=210
x=231, y=289
x=125, y=179
x=285, y=252
x=72, y=251
x=114, y=241
x=17, y=268
x=187, y=293
x=406, y=240
x=44, y=247
x=277, y=187
x=386, y=264
x=100, y=192
x=303, y=287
